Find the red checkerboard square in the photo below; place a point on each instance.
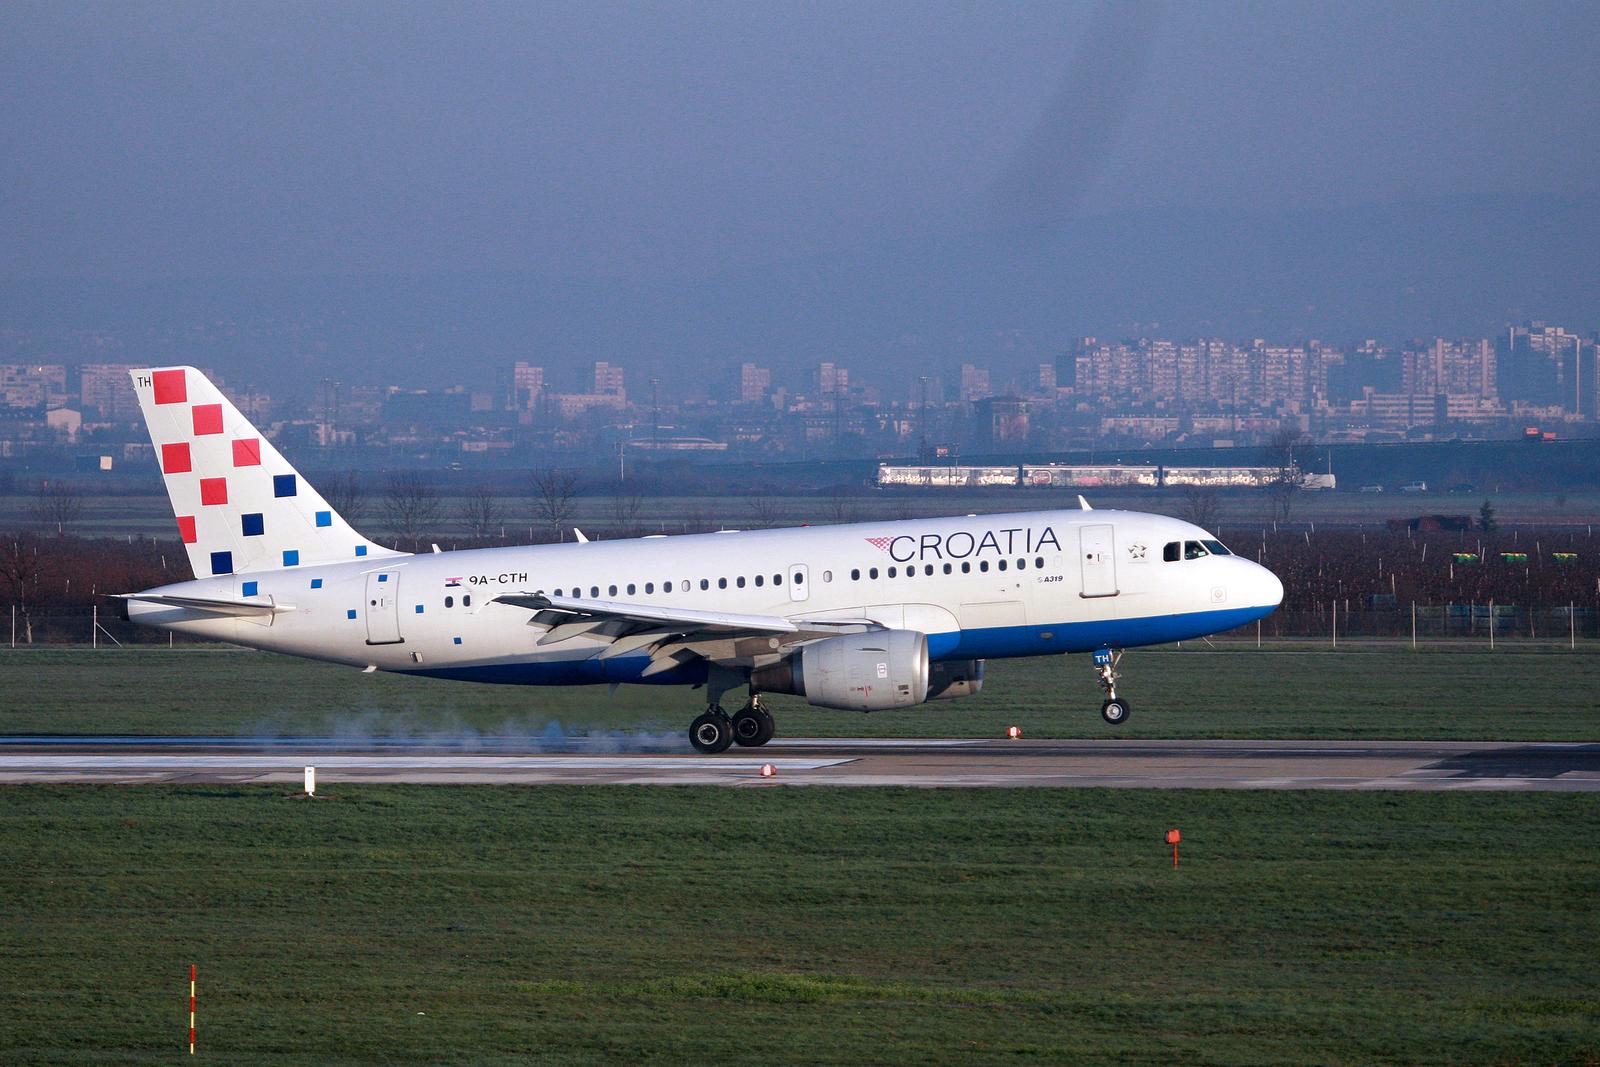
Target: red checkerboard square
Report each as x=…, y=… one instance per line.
x=175, y=459
x=247, y=453
x=170, y=386
x=186, y=529
x=207, y=419
x=213, y=490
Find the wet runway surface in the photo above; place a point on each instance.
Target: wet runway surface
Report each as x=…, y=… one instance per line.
x=667, y=760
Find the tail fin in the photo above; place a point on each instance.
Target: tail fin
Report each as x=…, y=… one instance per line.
x=240, y=506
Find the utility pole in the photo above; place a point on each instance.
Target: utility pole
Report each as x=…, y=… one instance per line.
x=922, y=420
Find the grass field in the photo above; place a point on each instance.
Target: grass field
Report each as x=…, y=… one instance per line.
x=567, y=926
x=1192, y=692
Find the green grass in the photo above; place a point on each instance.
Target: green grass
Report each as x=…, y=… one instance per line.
x=1234, y=692
x=668, y=925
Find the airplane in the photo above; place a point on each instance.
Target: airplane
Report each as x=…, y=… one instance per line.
x=863, y=616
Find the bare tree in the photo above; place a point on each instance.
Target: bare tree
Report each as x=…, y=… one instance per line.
x=481, y=513
x=555, y=499
x=1201, y=505
x=344, y=495
x=22, y=568
x=764, y=510
x=57, y=504
x=625, y=509
x=1284, y=487
x=410, y=504
x=839, y=507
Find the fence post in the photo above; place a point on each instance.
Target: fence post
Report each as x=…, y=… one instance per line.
x=1333, y=625
x=1572, y=627
x=1491, y=625
x=94, y=626
x=1413, y=626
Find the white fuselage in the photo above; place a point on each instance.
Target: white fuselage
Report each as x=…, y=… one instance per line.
x=1025, y=584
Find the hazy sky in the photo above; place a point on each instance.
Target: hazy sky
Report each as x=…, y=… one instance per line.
x=260, y=138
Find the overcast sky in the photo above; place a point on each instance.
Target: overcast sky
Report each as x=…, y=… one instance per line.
x=657, y=140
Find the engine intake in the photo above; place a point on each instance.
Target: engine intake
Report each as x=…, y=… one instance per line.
x=871, y=671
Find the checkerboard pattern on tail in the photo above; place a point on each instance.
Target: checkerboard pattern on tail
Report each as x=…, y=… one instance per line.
x=239, y=505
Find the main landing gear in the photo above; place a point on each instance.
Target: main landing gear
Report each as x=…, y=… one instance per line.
x=1115, y=710
x=751, y=726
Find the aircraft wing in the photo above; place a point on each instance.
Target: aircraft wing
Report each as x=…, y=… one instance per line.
x=671, y=636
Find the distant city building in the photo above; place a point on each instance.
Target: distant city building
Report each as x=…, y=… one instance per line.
x=831, y=379
x=1545, y=364
x=33, y=386
x=105, y=392
x=608, y=380
x=525, y=387
x=974, y=382
x=752, y=384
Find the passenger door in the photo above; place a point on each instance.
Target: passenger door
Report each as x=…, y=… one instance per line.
x=1097, y=552
x=383, y=608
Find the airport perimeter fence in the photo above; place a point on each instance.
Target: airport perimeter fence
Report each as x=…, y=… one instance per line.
x=1332, y=624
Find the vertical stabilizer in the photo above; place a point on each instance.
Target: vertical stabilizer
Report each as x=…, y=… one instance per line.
x=240, y=506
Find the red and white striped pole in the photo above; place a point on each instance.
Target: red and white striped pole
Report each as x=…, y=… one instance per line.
x=191, y=1008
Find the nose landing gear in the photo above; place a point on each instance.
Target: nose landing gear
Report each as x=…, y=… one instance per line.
x=1115, y=710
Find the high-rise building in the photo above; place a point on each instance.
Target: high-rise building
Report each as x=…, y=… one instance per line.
x=525, y=387
x=753, y=383
x=831, y=379
x=32, y=385
x=608, y=380
x=974, y=382
x=105, y=392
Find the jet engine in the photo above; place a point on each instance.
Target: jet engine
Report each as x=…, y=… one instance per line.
x=871, y=671
x=955, y=678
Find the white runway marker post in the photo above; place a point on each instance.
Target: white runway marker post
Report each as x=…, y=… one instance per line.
x=192, y=971
x=311, y=781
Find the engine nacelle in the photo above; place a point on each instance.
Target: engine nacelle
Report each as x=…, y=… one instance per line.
x=871, y=671
x=955, y=678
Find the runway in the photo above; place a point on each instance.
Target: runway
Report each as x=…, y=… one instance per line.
x=925, y=762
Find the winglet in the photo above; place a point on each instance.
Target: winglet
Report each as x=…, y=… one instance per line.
x=1083, y=505
x=582, y=540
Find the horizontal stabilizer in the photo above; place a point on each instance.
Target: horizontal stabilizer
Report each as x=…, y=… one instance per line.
x=214, y=605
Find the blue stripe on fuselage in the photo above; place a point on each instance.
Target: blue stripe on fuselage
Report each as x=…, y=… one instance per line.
x=999, y=642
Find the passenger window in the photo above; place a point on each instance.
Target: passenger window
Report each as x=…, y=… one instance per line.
x=611, y=590
x=649, y=587
x=722, y=583
x=966, y=567
x=1193, y=550
x=1038, y=561
x=594, y=591
x=984, y=566
x=631, y=588
x=761, y=580
x=855, y=574
x=1001, y=564
x=739, y=581
x=777, y=579
x=556, y=593
x=947, y=568
x=927, y=570
x=449, y=601
x=872, y=572
x=705, y=583
x=466, y=601
x=827, y=577
x=891, y=572
x=1169, y=554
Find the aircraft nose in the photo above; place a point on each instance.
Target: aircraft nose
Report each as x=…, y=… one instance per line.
x=1267, y=590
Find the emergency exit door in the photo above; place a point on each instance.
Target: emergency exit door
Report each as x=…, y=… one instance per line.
x=383, y=608
x=1097, y=552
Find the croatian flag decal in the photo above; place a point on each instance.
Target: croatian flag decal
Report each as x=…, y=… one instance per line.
x=452, y=583
x=881, y=543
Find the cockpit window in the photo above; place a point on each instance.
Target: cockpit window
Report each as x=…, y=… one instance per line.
x=1194, y=550
x=1217, y=548
x=1173, y=552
